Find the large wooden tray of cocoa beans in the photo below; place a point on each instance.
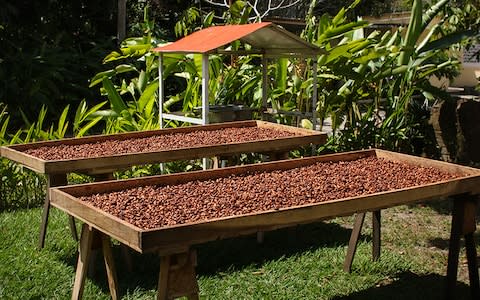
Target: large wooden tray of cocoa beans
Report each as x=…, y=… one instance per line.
x=105, y=153
x=170, y=213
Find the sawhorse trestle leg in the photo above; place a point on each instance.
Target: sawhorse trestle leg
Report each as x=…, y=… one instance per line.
x=177, y=276
x=53, y=180
x=354, y=237
x=463, y=224
x=88, y=235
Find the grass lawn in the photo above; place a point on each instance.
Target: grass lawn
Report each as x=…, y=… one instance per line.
x=304, y=262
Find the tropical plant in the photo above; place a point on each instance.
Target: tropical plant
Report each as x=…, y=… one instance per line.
x=20, y=187
x=373, y=83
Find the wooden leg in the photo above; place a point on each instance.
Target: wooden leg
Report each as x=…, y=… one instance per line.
x=215, y=162
x=110, y=267
x=454, y=249
x=163, y=278
x=472, y=265
x=177, y=276
x=97, y=241
x=52, y=181
x=278, y=155
x=43, y=225
x=352, y=245
x=127, y=257
x=260, y=237
x=463, y=223
x=73, y=228
x=103, y=177
x=376, y=225
x=95, y=248
x=83, y=261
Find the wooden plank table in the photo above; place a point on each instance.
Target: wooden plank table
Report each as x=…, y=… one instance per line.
x=101, y=167
x=174, y=243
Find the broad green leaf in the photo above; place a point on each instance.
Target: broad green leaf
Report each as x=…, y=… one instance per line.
x=142, y=81
x=172, y=100
x=87, y=127
x=115, y=100
x=3, y=130
x=208, y=19
x=236, y=8
x=338, y=52
x=432, y=12
x=83, y=114
x=124, y=68
x=306, y=123
x=395, y=71
x=197, y=60
x=328, y=76
x=147, y=96
x=16, y=138
x=341, y=30
x=30, y=131
x=393, y=39
x=448, y=40
x=281, y=74
x=106, y=113
x=360, y=46
x=372, y=55
x=149, y=107
x=413, y=32
x=25, y=118
x=427, y=38
x=99, y=77
x=247, y=85
x=62, y=123
x=94, y=109
x=339, y=17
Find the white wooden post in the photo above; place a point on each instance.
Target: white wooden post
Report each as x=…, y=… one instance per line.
x=160, y=99
x=205, y=104
x=314, y=100
x=264, y=82
x=160, y=90
x=205, y=78
x=314, y=96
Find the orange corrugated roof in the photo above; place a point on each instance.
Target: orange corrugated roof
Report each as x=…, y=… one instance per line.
x=262, y=36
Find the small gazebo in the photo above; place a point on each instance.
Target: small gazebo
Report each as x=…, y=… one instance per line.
x=265, y=38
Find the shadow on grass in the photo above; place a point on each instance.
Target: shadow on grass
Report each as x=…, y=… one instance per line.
x=225, y=255
x=443, y=206
x=444, y=243
x=232, y=254
x=412, y=287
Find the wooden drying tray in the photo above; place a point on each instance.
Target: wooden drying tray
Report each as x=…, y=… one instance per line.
x=177, y=262
x=178, y=238
x=106, y=164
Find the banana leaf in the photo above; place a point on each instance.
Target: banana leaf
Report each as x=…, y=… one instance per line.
x=448, y=40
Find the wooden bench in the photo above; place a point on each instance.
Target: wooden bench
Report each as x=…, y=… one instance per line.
x=174, y=243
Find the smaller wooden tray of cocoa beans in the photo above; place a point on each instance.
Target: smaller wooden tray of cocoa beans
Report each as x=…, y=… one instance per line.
x=171, y=212
x=106, y=153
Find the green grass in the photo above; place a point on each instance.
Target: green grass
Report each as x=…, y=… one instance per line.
x=304, y=262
